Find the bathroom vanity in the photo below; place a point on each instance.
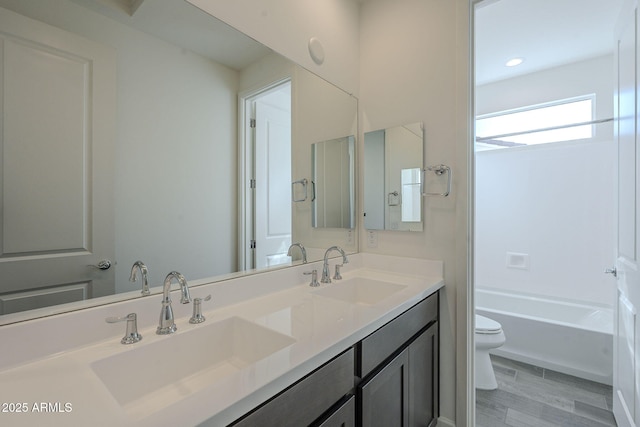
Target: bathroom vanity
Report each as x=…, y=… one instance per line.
x=388, y=378
x=272, y=351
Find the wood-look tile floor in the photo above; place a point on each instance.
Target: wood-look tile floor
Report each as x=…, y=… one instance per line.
x=530, y=396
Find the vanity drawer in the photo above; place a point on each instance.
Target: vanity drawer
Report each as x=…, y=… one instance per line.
x=344, y=416
x=381, y=344
x=306, y=400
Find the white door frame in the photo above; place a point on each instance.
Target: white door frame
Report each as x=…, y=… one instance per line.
x=246, y=140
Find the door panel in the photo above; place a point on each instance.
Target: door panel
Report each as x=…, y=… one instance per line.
x=273, y=184
x=625, y=344
x=626, y=352
x=58, y=102
x=43, y=89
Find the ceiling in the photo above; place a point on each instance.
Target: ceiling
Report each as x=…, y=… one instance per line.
x=185, y=25
x=546, y=33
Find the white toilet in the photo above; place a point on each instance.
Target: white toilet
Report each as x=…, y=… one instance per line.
x=488, y=335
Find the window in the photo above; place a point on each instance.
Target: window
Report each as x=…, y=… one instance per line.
x=564, y=120
x=411, y=180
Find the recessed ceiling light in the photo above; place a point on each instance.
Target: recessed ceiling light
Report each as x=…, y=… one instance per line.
x=514, y=61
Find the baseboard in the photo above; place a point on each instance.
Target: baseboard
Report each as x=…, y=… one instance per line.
x=445, y=422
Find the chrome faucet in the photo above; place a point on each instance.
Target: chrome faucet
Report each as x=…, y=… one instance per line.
x=326, y=276
x=144, y=272
x=167, y=325
x=302, y=249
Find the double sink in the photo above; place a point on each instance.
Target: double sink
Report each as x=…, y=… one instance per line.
x=145, y=377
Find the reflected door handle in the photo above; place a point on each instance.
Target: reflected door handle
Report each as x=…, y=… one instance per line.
x=105, y=264
x=613, y=271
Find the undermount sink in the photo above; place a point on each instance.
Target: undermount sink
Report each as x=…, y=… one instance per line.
x=150, y=377
x=360, y=291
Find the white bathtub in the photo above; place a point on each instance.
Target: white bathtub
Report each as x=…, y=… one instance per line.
x=564, y=336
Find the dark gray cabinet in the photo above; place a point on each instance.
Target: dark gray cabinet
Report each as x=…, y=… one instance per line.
x=305, y=401
x=424, y=379
x=390, y=338
x=390, y=378
x=384, y=398
x=343, y=416
x=402, y=390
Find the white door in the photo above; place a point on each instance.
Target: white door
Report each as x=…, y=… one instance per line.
x=626, y=381
x=273, y=182
x=58, y=100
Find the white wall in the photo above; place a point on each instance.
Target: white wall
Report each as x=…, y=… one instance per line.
x=264, y=72
x=287, y=25
x=552, y=202
x=590, y=76
x=413, y=68
x=178, y=205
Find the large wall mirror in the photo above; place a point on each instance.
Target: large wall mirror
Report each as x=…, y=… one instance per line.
x=136, y=131
x=393, y=178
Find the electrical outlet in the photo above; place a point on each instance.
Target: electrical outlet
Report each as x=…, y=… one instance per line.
x=349, y=237
x=372, y=239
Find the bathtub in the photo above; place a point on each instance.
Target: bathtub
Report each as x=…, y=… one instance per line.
x=573, y=338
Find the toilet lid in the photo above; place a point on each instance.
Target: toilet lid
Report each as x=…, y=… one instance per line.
x=485, y=325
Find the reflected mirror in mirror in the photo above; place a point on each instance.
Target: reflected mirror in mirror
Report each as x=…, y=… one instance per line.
x=393, y=163
x=333, y=183
x=125, y=139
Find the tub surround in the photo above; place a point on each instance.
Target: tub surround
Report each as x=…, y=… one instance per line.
x=52, y=360
x=565, y=336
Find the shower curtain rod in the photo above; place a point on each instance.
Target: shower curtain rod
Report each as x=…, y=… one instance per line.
x=505, y=135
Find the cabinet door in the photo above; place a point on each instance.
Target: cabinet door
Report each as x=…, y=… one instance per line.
x=423, y=379
x=385, y=397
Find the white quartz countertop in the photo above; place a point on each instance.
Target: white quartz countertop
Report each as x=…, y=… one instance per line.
x=58, y=382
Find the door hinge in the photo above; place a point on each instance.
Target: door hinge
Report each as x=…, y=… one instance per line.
x=252, y=183
x=252, y=123
x=253, y=244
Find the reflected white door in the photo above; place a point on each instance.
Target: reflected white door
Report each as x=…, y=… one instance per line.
x=58, y=101
x=273, y=183
x=626, y=381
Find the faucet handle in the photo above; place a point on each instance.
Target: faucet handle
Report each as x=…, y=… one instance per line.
x=314, y=277
x=337, y=275
x=197, y=316
x=131, y=336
